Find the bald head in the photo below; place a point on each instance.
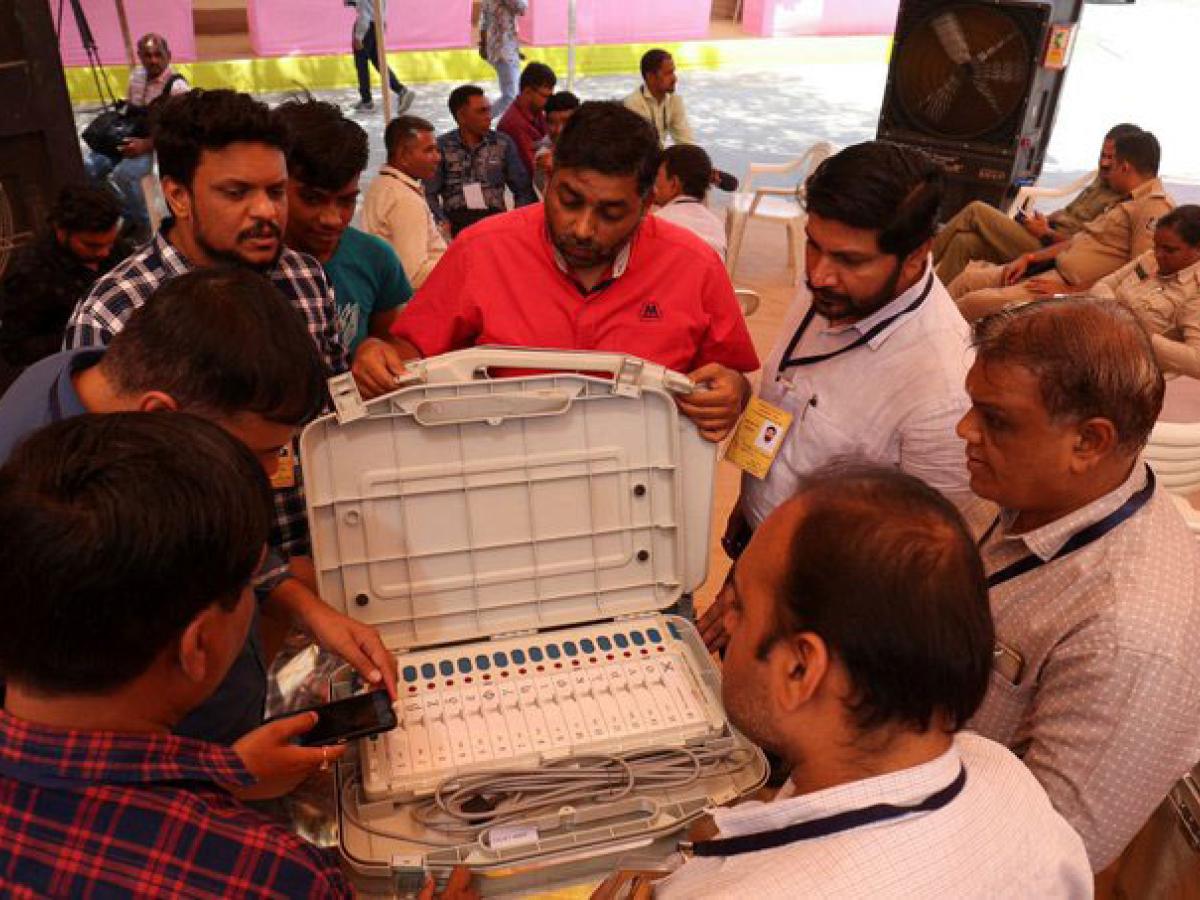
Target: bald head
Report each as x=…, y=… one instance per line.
x=153, y=53
x=1091, y=358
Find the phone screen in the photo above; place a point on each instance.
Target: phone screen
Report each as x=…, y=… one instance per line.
x=358, y=716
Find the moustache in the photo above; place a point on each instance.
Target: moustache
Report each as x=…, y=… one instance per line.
x=260, y=231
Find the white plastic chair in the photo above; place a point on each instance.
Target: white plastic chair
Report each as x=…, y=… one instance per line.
x=748, y=300
x=1031, y=192
x=1173, y=452
x=775, y=203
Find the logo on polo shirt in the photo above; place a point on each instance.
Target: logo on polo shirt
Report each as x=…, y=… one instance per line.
x=651, y=312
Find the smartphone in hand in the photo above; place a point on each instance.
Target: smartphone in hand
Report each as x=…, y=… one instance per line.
x=345, y=720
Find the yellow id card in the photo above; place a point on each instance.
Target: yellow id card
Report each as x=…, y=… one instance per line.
x=758, y=437
x=285, y=475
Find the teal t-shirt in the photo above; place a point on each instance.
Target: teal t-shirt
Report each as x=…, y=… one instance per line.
x=367, y=278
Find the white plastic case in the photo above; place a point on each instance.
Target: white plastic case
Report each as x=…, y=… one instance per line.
x=464, y=512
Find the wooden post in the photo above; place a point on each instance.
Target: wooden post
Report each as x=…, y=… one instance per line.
x=124, y=22
x=381, y=50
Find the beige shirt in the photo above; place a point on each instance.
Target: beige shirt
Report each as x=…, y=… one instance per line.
x=668, y=116
x=1109, y=241
x=1094, y=200
x=395, y=209
x=1105, y=707
x=1167, y=305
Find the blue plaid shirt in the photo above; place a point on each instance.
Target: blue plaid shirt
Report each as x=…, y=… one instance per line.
x=300, y=278
x=493, y=163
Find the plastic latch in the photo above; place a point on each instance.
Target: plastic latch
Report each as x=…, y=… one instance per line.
x=408, y=875
x=627, y=382
x=348, y=403
x=677, y=383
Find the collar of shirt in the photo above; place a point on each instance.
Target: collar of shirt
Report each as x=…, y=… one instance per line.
x=1151, y=188
x=902, y=302
x=69, y=404
x=1190, y=274
x=905, y=787
x=454, y=138
x=653, y=102
x=169, y=259
x=681, y=200
x=404, y=178
x=36, y=754
x=1044, y=542
x=619, y=265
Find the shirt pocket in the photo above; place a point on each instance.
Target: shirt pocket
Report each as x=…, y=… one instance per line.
x=817, y=437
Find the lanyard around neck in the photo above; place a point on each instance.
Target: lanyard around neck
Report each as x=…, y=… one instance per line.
x=1078, y=541
x=790, y=361
x=829, y=825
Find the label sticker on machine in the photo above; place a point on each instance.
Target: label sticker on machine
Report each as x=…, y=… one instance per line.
x=509, y=837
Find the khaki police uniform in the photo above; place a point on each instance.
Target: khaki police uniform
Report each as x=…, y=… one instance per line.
x=1167, y=305
x=1102, y=246
x=982, y=233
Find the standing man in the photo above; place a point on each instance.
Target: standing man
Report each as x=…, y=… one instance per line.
x=151, y=79
x=655, y=99
x=981, y=233
x=222, y=156
x=395, y=207
x=364, y=38
x=326, y=160
x=872, y=354
x=1094, y=577
x=477, y=164
x=684, y=176
x=54, y=272
x=500, y=45
x=525, y=120
x=1101, y=247
x=586, y=270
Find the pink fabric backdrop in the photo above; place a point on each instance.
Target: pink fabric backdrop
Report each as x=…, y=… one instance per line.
x=170, y=18
x=782, y=18
x=611, y=22
x=318, y=27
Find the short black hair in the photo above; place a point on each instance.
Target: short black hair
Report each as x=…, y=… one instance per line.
x=1120, y=130
x=652, y=61
x=185, y=125
x=118, y=530
x=85, y=208
x=403, y=129
x=889, y=188
x=561, y=102
x=884, y=570
x=537, y=75
x=691, y=165
x=1184, y=221
x=221, y=341
x=605, y=136
x=328, y=150
x=461, y=96
x=1140, y=150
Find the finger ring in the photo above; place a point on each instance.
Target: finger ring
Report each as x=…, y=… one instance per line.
x=324, y=759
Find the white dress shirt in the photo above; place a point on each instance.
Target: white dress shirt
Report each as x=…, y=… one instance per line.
x=1000, y=837
x=395, y=209
x=692, y=214
x=894, y=400
x=1104, y=703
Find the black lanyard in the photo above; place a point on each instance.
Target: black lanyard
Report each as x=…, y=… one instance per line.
x=1078, y=541
x=830, y=825
x=789, y=361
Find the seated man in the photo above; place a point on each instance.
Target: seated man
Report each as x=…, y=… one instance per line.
x=655, y=99
x=1093, y=574
x=1162, y=288
x=50, y=275
x=684, y=176
x=1101, y=247
x=149, y=81
x=981, y=233
x=223, y=344
x=129, y=544
x=525, y=119
x=477, y=164
x=326, y=159
x=395, y=206
x=586, y=270
x=559, y=109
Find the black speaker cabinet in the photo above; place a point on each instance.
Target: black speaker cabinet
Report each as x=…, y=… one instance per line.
x=976, y=85
x=39, y=151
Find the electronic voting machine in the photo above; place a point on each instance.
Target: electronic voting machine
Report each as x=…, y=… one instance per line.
x=515, y=539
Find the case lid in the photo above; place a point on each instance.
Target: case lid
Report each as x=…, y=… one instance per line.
x=463, y=506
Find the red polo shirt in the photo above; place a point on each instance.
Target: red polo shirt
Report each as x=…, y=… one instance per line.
x=525, y=129
x=669, y=301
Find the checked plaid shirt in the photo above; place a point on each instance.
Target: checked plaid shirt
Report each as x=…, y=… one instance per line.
x=300, y=278
x=100, y=814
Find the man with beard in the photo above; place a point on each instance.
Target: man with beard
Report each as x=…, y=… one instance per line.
x=222, y=159
x=586, y=270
